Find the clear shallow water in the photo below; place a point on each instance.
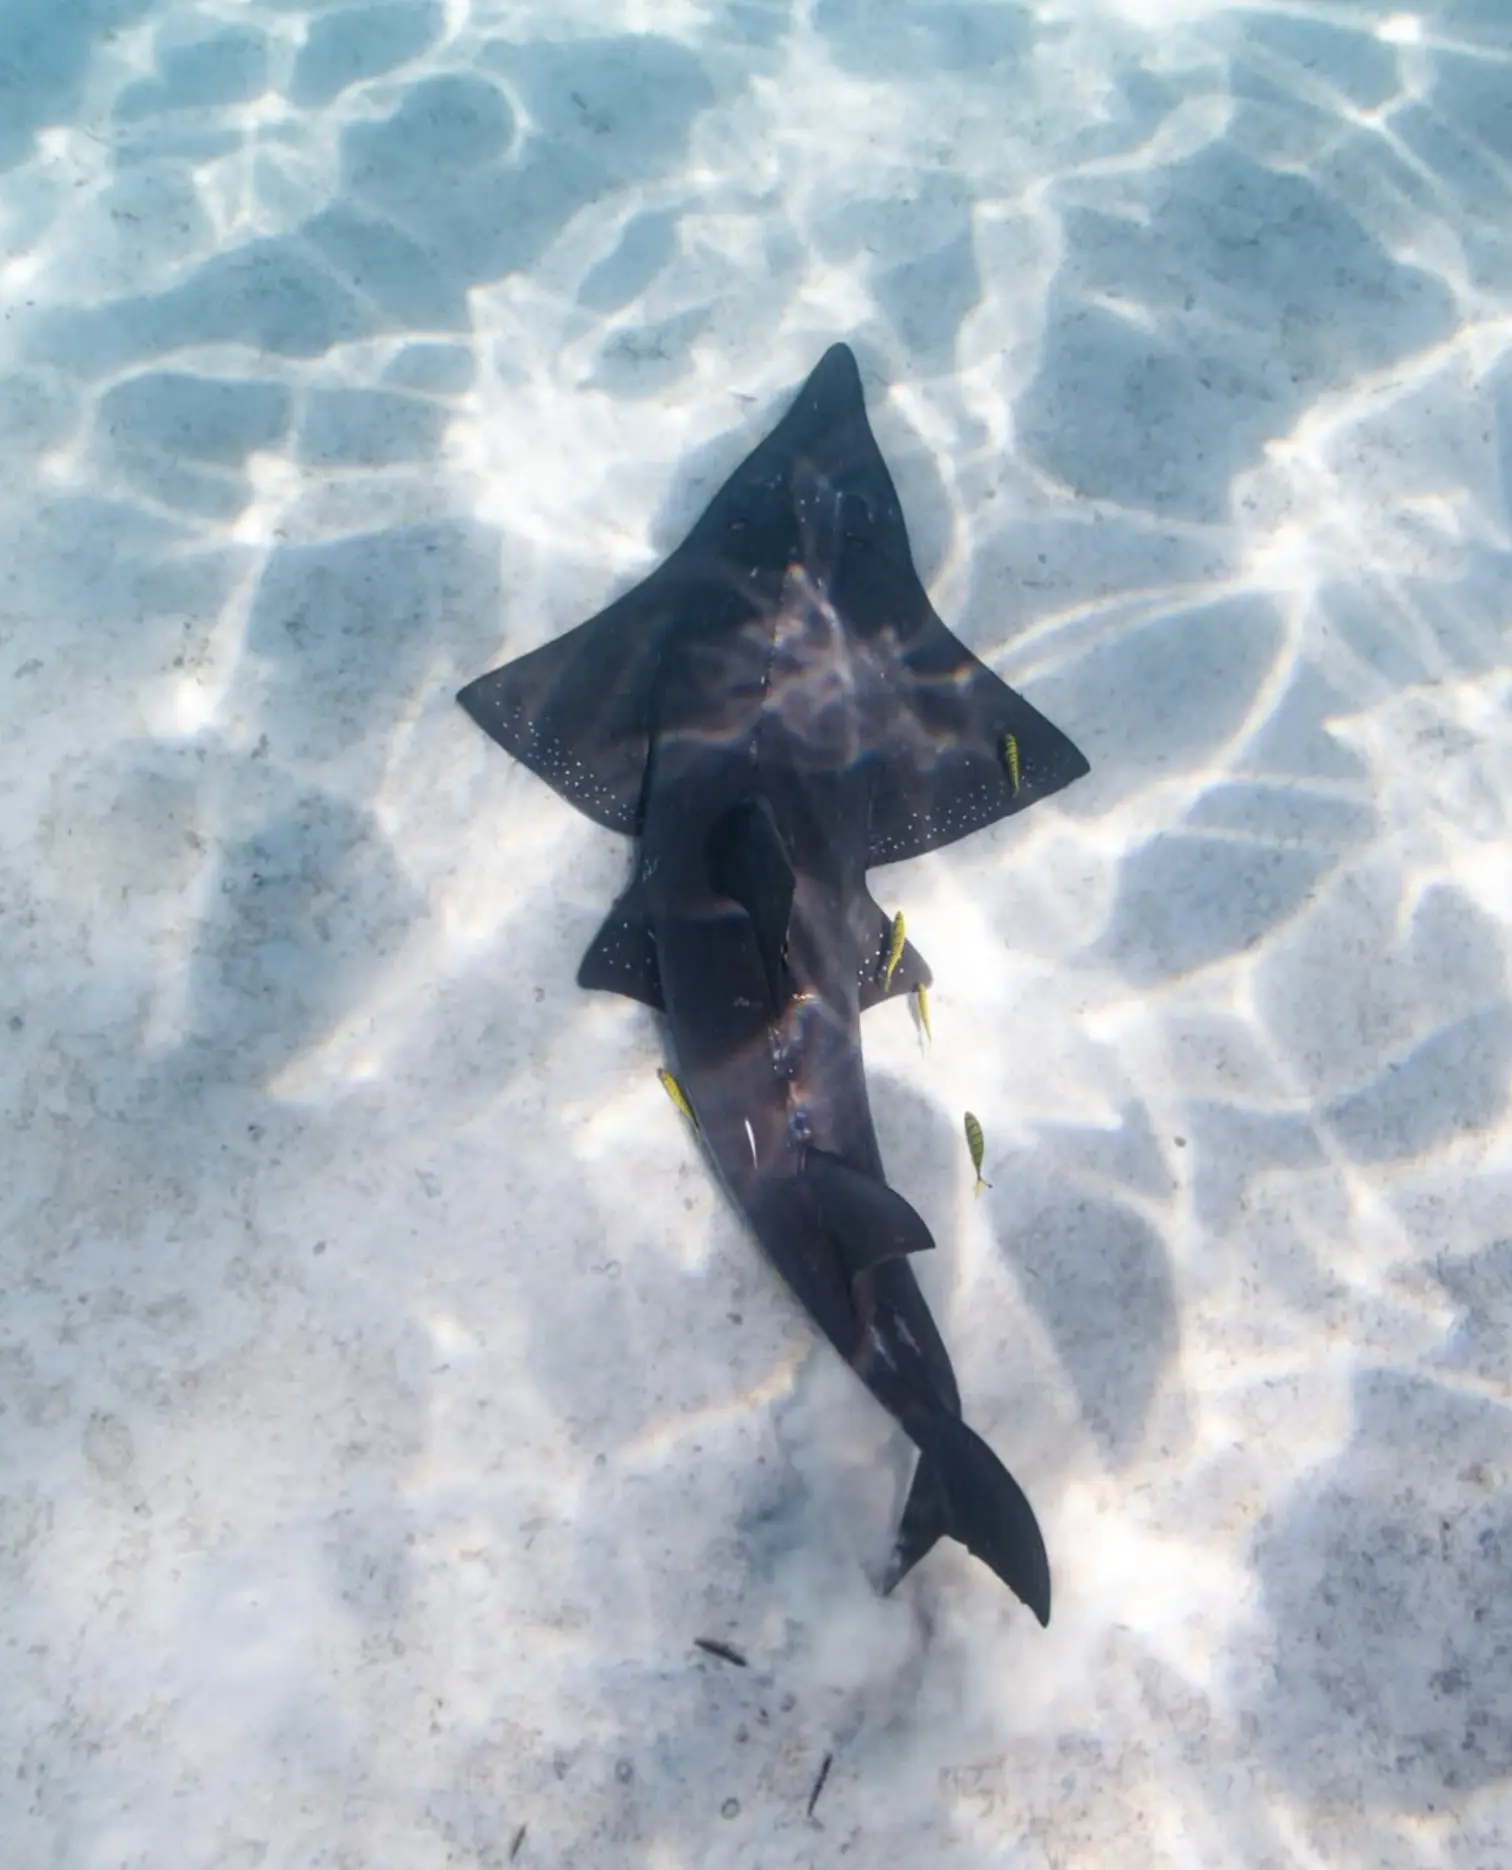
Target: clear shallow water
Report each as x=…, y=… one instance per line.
x=379, y=1427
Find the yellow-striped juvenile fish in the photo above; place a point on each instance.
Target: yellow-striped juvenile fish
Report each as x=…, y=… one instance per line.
x=895, y=943
x=921, y=1000
x=675, y=1091
x=975, y=1144
x=1011, y=761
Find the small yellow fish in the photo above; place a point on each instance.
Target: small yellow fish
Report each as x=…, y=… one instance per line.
x=895, y=943
x=678, y=1096
x=921, y=1000
x=1011, y=759
x=975, y=1145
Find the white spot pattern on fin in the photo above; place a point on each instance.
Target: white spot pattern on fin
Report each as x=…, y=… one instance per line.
x=557, y=766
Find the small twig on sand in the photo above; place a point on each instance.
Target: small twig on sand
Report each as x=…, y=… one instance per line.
x=711, y=1646
x=827, y=1763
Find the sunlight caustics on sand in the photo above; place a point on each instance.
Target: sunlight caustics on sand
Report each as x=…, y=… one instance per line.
x=389, y=1398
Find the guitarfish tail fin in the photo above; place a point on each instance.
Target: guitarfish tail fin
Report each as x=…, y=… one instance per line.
x=962, y=1491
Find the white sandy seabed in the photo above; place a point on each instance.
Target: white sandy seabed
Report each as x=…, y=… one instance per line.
x=389, y=1400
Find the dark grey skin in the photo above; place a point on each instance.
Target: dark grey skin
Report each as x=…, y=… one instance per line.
x=775, y=709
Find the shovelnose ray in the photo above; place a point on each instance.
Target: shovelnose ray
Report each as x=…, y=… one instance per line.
x=775, y=709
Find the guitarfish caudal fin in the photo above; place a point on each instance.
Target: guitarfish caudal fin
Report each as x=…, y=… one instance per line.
x=920, y=1529
x=961, y=1490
